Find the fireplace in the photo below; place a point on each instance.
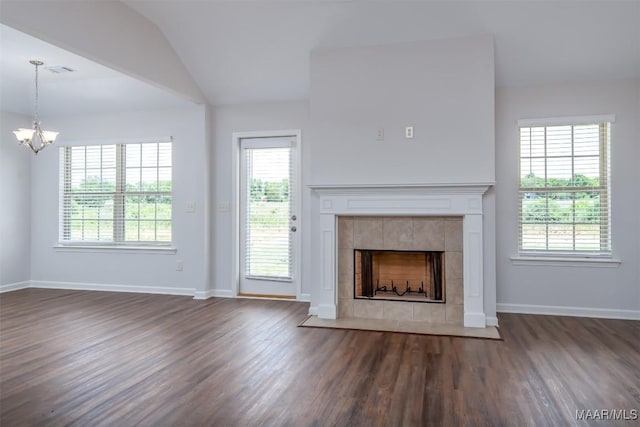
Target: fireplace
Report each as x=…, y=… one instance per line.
x=402, y=268
x=395, y=275
x=422, y=203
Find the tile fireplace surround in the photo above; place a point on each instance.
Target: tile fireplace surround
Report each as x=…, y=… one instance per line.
x=416, y=203
x=401, y=233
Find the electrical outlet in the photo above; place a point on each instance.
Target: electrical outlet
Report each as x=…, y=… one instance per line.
x=191, y=207
x=224, y=206
x=179, y=265
x=380, y=134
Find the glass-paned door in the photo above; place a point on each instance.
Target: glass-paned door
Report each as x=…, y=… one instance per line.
x=268, y=219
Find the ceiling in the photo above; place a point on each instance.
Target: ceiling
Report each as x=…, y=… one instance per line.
x=258, y=51
x=241, y=51
x=92, y=88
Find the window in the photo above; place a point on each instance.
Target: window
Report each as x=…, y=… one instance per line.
x=564, y=189
x=116, y=194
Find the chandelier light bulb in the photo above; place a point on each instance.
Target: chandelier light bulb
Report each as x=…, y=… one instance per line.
x=24, y=134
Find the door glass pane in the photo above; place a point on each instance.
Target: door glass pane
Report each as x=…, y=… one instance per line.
x=268, y=209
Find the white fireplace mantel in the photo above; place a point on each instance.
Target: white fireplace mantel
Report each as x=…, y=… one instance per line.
x=400, y=200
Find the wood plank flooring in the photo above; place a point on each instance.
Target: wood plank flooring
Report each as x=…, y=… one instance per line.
x=114, y=359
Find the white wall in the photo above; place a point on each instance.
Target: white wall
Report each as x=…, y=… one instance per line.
x=246, y=118
x=593, y=291
x=126, y=271
x=444, y=88
x=15, y=205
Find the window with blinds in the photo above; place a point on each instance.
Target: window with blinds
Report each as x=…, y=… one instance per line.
x=116, y=194
x=268, y=207
x=564, y=191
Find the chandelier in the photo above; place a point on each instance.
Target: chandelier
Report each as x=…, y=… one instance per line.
x=35, y=138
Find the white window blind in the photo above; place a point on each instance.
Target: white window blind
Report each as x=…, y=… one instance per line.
x=116, y=194
x=268, y=204
x=564, y=189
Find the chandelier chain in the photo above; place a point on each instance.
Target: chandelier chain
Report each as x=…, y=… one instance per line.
x=35, y=107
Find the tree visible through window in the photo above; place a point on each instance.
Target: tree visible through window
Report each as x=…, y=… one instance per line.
x=564, y=189
x=116, y=194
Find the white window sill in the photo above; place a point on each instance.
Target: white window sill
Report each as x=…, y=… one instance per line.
x=157, y=250
x=554, y=261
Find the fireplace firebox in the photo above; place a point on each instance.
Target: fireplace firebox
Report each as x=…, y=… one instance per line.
x=415, y=276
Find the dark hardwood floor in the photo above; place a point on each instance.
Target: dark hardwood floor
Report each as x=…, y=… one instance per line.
x=116, y=359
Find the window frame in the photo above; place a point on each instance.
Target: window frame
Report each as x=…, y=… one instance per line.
x=119, y=193
x=599, y=257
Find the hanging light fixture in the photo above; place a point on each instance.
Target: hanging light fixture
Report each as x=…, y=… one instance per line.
x=35, y=138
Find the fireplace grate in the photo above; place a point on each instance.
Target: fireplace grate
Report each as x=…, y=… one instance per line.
x=394, y=289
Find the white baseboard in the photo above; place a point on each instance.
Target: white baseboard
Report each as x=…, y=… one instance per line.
x=112, y=288
x=606, y=313
x=222, y=293
x=210, y=293
x=475, y=320
x=304, y=297
x=202, y=294
x=14, y=286
x=313, y=311
x=492, y=321
x=327, y=311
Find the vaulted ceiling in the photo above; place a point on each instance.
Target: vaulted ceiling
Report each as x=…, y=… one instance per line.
x=258, y=51
x=90, y=88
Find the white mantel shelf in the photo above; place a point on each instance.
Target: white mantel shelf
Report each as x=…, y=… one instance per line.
x=438, y=199
x=464, y=186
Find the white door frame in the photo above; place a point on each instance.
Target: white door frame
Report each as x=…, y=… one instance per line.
x=235, y=203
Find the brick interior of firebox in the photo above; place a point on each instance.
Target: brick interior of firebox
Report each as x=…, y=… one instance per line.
x=400, y=276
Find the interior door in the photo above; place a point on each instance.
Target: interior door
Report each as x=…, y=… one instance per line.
x=268, y=217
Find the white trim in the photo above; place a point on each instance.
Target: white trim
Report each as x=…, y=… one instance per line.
x=474, y=320
x=300, y=216
x=275, y=297
x=327, y=311
x=222, y=293
x=465, y=201
x=607, y=313
x=565, y=261
x=492, y=321
x=202, y=295
x=213, y=293
x=14, y=286
x=112, y=141
x=235, y=210
x=572, y=120
x=447, y=187
x=112, y=287
x=206, y=208
x=304, y=297
x=236, y=138
x=313, y=310
x=274, y=142
x=157, y=250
